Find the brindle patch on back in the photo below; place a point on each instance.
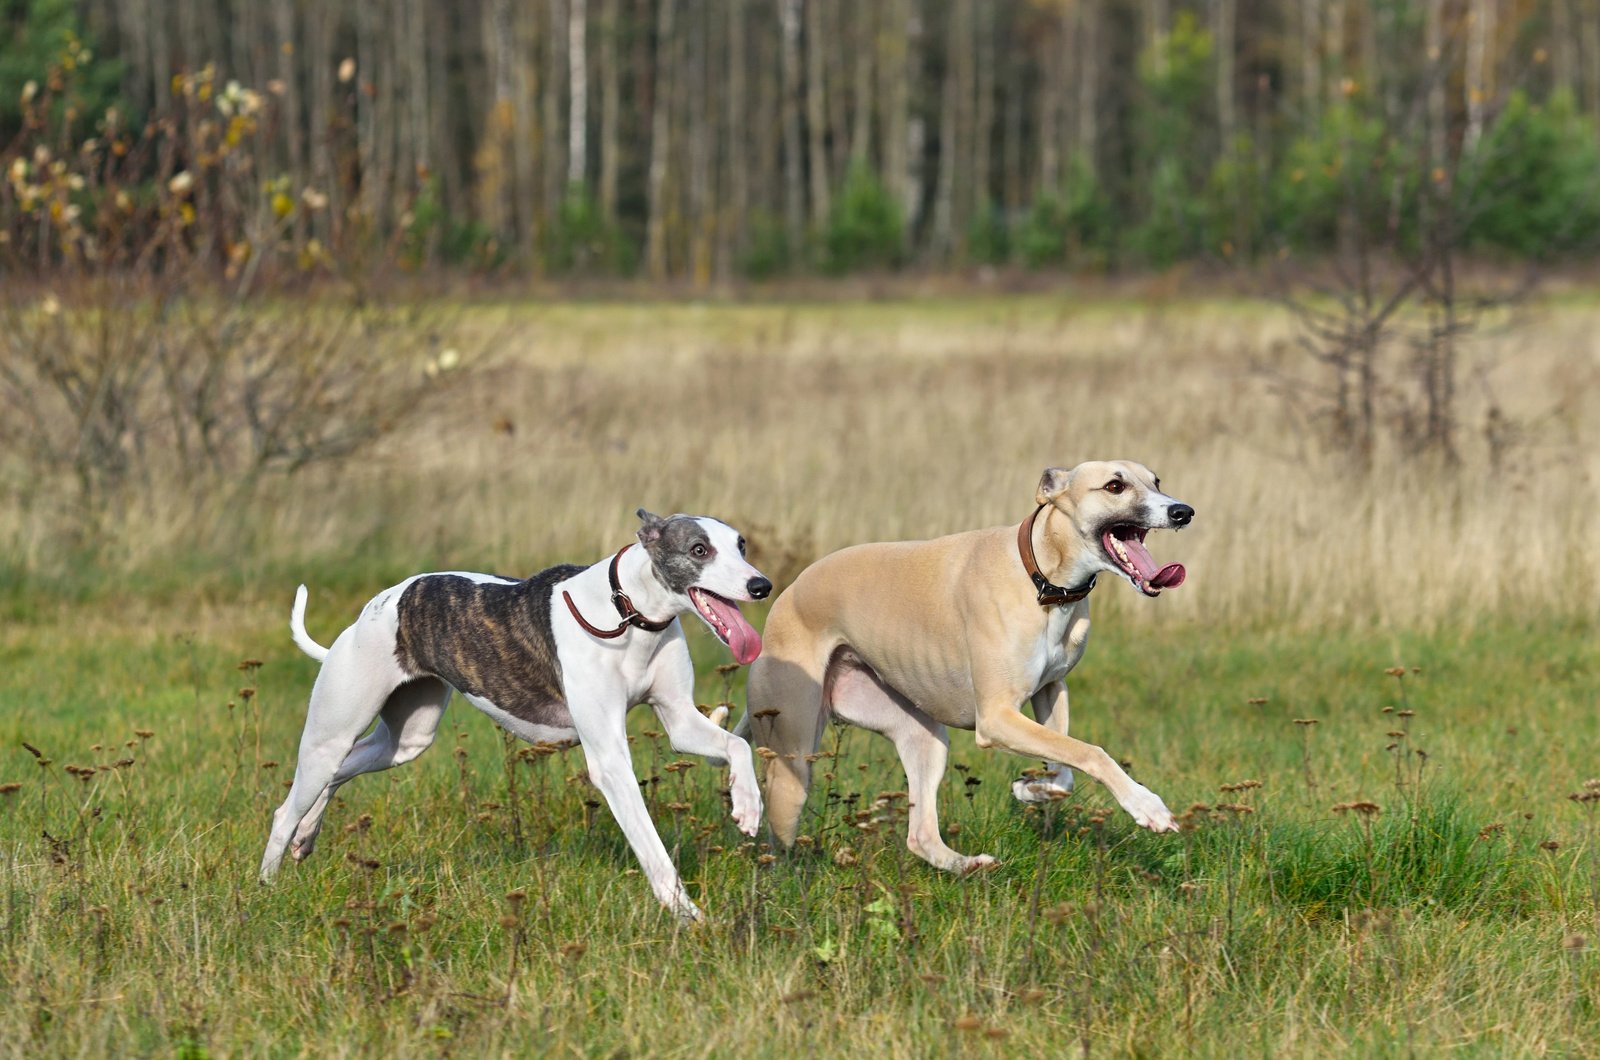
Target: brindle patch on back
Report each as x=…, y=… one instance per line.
x=488, y=639
x=672, y=554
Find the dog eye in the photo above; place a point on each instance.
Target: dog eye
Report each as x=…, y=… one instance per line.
x=1115, y=486
x=741, y=546
x=698, y=552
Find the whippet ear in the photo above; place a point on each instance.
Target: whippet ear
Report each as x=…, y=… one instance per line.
x=1052, y=484
x=650, y=532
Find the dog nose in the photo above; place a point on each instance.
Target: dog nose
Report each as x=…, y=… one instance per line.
x=758, y=588
x=1180, y=514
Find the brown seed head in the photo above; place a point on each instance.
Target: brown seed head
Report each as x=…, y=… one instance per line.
x=969, y=1022
x=1396, y=671
x=1306, y=721
x=1574, y=943
x=1256, y=701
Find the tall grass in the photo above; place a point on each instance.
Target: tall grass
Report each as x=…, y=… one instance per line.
x=813, y=426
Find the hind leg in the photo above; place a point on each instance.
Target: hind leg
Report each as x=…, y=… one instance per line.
x=1049, y=710
x=406, y=727
x=786, y=716
x=860, y=697
x=352, y=687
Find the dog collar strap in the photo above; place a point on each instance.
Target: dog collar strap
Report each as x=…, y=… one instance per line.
x=1049, y=595
x=629, y=614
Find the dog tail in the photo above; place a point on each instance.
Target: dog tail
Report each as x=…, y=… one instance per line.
x=742, y=729
x=297, y=628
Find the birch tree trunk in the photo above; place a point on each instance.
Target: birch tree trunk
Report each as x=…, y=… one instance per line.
x=1563, y=48
x=660, y=130
x=1438, y=71
x=1590, y=20
x=731, y=223
x=702, y=129
x=1224, y=22
x=552, y=79
x=793, y=189
x=577, y=95
x=322, y=63
x=1311, y=58
x=610, y=102
x=817, y=115
x=954, y=97
x=894, y=92
x=283, y=12
x=1052, y=92
x=1090, y=32
x=1480, y=68
x=866, y=36
x=1012, y=180
x=982, y=132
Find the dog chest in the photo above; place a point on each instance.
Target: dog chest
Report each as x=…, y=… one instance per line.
x=489, y=640
x=1066, y=635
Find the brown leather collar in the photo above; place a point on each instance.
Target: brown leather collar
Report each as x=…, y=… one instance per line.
x=1049, y=595
x=619, y=599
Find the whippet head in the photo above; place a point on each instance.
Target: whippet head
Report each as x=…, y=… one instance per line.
x=1112, y=504
x=701, y=560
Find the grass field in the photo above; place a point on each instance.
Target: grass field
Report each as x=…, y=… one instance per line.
x=478, y=902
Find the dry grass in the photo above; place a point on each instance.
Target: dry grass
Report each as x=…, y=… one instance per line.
x=815, y=426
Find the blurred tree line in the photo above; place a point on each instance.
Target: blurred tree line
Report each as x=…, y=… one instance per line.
x=673, y=138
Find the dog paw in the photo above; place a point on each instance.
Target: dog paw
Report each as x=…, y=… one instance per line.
x=301, y=849
x=747, y=810
x=1050, y=788
x=977, y=863
x=1146, y=808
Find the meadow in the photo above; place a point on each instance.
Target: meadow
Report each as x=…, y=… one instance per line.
x=1373, y=699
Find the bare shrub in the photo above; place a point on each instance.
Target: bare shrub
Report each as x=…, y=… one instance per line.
x=121, y=390
x=166, y=339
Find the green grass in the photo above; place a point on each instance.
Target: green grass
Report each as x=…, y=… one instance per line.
x=131, y=922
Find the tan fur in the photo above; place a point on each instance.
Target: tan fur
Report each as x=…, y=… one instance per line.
x=907, y=638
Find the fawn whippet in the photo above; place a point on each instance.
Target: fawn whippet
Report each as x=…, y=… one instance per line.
x=907, y=638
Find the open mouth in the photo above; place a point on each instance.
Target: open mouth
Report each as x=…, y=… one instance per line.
x=1124, y=543
x=731, y=627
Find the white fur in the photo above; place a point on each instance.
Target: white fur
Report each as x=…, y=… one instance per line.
x=361, y=681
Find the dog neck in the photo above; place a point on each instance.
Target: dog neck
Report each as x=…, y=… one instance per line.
x=634, y=596
x=636, y=577
x=1053, y=564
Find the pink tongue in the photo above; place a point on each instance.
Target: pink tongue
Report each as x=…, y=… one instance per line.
x=743, y=640
x=1165, y=578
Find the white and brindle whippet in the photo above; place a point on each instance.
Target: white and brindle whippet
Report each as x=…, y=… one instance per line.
x=536, y=657
x=907, y=638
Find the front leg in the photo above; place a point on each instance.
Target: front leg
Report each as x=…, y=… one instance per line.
x=1001, y=724
x=599, y=715
x=672, y=697
x=1050, y=710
